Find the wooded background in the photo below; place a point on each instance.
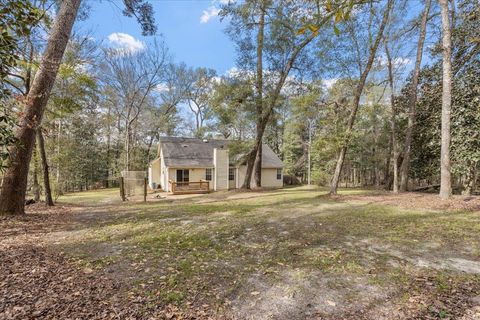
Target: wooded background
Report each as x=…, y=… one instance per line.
x=356, y=86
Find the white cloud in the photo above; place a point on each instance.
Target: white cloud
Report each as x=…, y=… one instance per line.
x=125, y=42
x=232, y=72
x=208, y=14
x=214, y=9
x=397, y=62
x=401, y=61
x=162, y=87
x=237, y=73
x=328, y=83
x=216, y=79
x=81, y=67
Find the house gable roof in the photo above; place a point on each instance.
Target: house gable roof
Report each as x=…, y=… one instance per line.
x=196, y=153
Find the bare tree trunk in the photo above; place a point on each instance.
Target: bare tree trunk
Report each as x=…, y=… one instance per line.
x=248, y=174
x=197, y=112
x=475, y=174
x=376, y=171
x=251, y=157
x=12, y=197
x=127, y=145
x=412, y=101
x=117, y=145
x=36, y=186
x=392, y=120
x=258, y=167
x=46, y=174
x=59, y=190
x=387, y=175
x=356, y=99
x=469, y=179
x=259, y=97
x=109, y=138
x=445, y=174
x=197, y=123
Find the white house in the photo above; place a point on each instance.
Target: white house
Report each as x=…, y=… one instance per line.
x=190, y=165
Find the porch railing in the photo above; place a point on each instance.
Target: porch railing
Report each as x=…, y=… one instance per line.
x=202, y=186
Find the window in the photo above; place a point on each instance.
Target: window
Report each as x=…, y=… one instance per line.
x=183, y=175
x=208, y=174
x=231, y=174
x=279, y=174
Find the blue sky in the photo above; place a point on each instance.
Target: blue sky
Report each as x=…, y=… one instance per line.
x=191, y=29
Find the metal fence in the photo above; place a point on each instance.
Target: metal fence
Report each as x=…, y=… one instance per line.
x=133, y=183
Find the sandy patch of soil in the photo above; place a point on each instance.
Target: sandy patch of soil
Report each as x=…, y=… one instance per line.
x=306, y=296
x=416, y=200
x=424, y=258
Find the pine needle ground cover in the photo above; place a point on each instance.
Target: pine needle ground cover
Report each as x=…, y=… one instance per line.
x=293, y=253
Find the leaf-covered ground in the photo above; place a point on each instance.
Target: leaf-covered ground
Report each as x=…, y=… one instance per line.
x=293, y=253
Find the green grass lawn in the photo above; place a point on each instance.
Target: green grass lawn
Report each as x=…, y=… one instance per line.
x=93, y=197
x=292, y=252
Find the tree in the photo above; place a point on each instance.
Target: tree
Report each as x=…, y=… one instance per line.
x=198, y=95
x=175, y=87
x=133, y=77
x=20, y=79
x=288, y=28
x=7, y=137
x=466, y=126
x=393, y=118
x=445, y=167
x=305, y=111
x=233, y=107
x=74, y=90
x=465, y=112
x=357, y=96
x=404, y=170
x=17, y=18
x=15, y=180
x=46, y=176
x=259, y=91
x=35, y=186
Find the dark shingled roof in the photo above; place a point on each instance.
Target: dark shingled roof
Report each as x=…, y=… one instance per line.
x=195, y=153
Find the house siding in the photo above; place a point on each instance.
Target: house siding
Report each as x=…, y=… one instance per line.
x=269, y=177
x=154, y=173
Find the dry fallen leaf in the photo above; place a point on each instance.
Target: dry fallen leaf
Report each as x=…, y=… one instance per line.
x=331, y=303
